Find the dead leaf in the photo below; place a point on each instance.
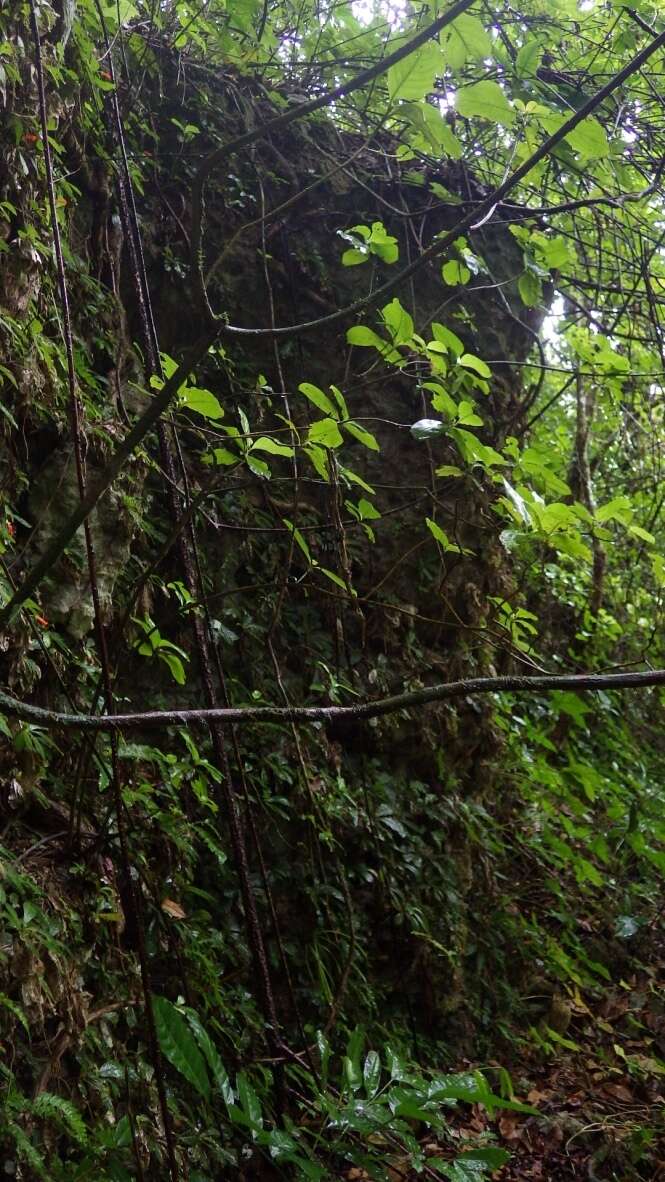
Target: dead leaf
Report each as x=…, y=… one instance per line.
x=173, y=909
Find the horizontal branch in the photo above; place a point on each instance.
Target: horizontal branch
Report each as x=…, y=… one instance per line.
x=151, y=719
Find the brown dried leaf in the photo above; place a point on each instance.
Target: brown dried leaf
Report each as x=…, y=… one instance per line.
x=173, y=909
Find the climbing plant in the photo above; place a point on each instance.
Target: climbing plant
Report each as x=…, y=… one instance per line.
x=331, y=577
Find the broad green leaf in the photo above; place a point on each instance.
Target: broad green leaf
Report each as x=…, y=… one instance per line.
x=354, y=257
x=490, y=1158
x=432, y=133
x=466, y=40
x=455, y=273
x=257, y=466
x=485, y=100
x=318, y=398
x=202, y=401
x=413, y=77
x=364, y=337
x=217, y=1068
x=528, y=58
x=326, y=433
x=448, y=338
x=467, y=417
x=174, y=664
x=442, y=400
x=530, y=288
x=367, y=510
x=362, y=435
x=398, y=322
x=179, y=1046
x=589, y=139
x=470, y=361
x=271, y=446
x=643, y=534
x=223, y=456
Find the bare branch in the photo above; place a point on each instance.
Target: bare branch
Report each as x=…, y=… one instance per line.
x=241, y=715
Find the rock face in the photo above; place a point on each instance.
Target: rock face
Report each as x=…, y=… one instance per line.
x=414, y=616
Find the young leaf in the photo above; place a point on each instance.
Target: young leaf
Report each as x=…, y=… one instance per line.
x=362, y=435
x=320, y=400
x=470, y=361
x=272, y=446
x=325, y=432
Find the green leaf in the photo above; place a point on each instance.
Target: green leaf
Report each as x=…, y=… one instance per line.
x=528, y=58
x=320, y=400
x=217, y=1068
x=491, y=1158
x=372, y=1073
x=467, y=417
x=299, y=539
x=223, y=456
x=339, y=582
x=179, y=1046
x=467, y=40
x=341, y=402
x=271, y=446
x=398, y=322
x=257, y=466
x=62, y=1112
x=589, y=139
x=249, y=1101
x=363, y=436
x=530, y=288
x=364, y=337
x=448, y=338
x=470, y=361
x=454, y=273
x=485, y=100
x=367, y=510
x=643, y=534
x=442, y=538
x=413, y=77
x=353, y=257
x=174, y=664
x=326, y=433
x=16, y=1011
x=202, y=401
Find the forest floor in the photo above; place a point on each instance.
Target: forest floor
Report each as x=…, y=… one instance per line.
x=599, y=1091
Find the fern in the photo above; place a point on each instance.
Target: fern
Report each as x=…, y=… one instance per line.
x=26, y=1151
x=15, y=1010
x=63, y=1113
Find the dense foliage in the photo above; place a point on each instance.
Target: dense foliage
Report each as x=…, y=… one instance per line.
x=331, y=379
